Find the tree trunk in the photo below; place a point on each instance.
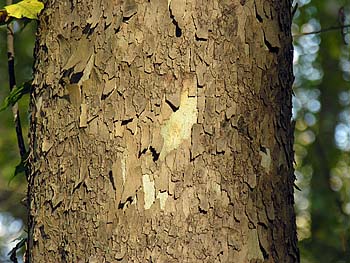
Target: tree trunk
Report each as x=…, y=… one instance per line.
x=161, y=133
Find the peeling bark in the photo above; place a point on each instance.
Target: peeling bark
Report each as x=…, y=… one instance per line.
x=161, y=132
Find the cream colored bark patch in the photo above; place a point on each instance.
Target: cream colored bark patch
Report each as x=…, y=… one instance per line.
x=87, y=70
x=83, y=115
x=123, y=167
x=254, y=252
x=162, y=198
x=149, y=190
x=265, y=159
x=178, y=127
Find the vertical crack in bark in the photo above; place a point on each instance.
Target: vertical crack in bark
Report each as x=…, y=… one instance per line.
x=258, y=17
x=264, y=252
x=111, y=179
x=178, y=30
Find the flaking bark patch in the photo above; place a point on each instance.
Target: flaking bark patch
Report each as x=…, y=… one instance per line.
x=178, y=128
x=149, y=191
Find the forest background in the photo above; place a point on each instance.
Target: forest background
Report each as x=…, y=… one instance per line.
x=321, y=110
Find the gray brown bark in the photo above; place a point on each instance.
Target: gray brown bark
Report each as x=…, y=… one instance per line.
x=161, y=133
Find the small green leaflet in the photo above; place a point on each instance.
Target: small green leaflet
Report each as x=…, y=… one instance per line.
x=16, y=94
x=21, y=167
x=26, y=8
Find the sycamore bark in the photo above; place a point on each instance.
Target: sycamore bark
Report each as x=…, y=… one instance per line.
x=161, y=132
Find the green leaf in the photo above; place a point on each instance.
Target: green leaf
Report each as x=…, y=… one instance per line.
x=16, y=94
x=21, y=167
x=26, y=8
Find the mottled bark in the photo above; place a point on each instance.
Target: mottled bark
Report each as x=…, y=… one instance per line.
x=161, y=132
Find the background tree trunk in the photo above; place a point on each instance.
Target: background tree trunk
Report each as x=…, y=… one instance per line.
x=161, y=133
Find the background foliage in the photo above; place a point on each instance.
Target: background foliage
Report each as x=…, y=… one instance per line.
x=322, y=135
x=13, y=190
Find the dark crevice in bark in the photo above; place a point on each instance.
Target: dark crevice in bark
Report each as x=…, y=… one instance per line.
x=242, y=129
x=116, y=30
x=125, y=19
x=92, y=118
x=54, y=207
x=178, y=31
x=265, y=254
x=200, y=38
x=202, y=211
x=65, y=74
x=110, y=176
x=128, y=200
x=107, y=26
x=221, y=253
x=77, y=187
x=263, y=149
x=63, y=252
x=88, y=30
x=42, y=232
x=71, y=5
x=271, y=48
x=172, y=106
x=105, y=96
x=155, y=154
x=76, y=77
x=125, y=122
x=258, y=17
x=142, y=152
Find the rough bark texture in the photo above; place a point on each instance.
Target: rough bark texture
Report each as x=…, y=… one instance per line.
x=161, y=132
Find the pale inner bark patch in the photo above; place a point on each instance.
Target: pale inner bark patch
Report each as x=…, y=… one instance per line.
x=83, y=115
x=123, y=167
x=265, y=159
x=149, y=190
x=178, y=127
x=87, y=70
x=162, y=196
x=254, y=252
x=46, y=146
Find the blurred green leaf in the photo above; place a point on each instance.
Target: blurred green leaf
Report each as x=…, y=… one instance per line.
x=21, y=167
x=16, y=94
